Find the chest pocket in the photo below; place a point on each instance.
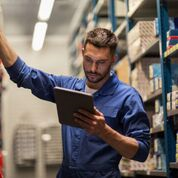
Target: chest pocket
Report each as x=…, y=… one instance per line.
x=110, y=114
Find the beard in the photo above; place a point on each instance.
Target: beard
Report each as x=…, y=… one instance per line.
x=95, y=77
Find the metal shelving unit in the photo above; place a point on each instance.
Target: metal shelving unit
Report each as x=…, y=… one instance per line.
x=145, y=9
x=164, y=9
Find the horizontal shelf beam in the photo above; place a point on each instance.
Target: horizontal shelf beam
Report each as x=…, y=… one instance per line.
x=156, y=94
x=157, y=130
x=172, y=113
x=152, y=49
x=174, y=165
x=172, y=52
x=121, y=29
x=144, y=8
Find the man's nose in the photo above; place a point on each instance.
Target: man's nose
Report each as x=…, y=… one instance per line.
x=94, y=67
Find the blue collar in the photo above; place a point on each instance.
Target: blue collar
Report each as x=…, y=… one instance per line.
x=110, y=86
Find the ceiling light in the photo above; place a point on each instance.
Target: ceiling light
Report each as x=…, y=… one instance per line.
x=45, y=9
x=39, y=35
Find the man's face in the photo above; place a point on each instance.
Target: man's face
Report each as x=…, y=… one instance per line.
x=97, y=63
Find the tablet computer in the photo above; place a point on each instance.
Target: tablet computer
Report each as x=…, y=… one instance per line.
x=69, y=101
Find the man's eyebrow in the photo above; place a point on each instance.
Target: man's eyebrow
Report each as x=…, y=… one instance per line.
x=96, y=59
x=87, y=56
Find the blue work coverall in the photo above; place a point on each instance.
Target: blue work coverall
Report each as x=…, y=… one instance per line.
x=85, y=155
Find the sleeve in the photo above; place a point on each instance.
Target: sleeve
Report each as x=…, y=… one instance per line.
x=40, y=83
x=136, y=125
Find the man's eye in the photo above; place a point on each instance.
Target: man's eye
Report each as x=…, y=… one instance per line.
x=100, y=62
x=88, y=60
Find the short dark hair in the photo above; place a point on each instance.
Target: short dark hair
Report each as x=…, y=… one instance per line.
x=101, y=37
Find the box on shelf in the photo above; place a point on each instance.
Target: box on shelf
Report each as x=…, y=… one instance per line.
x=169, y=106
x=155, y=75
x=142, y=29
x=172, y=95
x=158, y=120
x=152, y=85
x=154, y=70
x=159, y=150
x=140, y=37
x=158, y=105
x=156, y=83
x=172, y=100
x=140, y=76
x=174, y=104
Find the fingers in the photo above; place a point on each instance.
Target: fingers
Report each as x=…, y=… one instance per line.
x=82, y=124
x=85, y=123
x=85, y=119
x=86, y=113
x=98, y=112
x=92, y=123
x=90, y=115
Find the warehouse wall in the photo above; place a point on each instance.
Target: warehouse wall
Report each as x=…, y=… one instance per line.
x=19, y=105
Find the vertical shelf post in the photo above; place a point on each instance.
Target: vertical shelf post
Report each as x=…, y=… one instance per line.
x=128, y=28
x=169, y=137
x=111, y=13
x=95, y=17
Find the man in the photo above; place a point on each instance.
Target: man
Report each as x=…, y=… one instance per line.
x=119, y=126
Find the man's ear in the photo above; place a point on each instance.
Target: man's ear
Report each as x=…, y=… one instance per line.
x=83, y=50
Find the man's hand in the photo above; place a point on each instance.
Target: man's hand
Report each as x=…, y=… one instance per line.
x=92, y=123
x=95, y=124
x=7, y=54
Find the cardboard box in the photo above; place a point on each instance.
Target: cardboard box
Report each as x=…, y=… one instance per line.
x=143, y=29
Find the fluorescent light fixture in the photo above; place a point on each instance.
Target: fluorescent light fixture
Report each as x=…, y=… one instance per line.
x=45, y=9
x=39, y=35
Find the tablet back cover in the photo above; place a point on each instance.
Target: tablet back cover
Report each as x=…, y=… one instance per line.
x=69, y=101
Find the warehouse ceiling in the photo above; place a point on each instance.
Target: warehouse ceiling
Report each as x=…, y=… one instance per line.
x=20, y=16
